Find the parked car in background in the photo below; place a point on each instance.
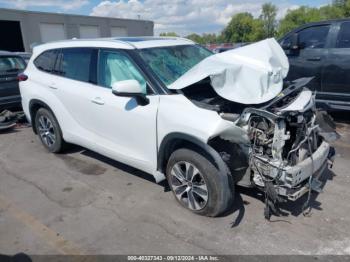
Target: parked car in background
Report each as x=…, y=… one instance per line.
x=322, y=50
x=221, y=49
x=25, y=55
x=10, y=66
x=173, y=109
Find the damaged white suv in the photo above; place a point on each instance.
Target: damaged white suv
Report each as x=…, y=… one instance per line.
x=173, y=109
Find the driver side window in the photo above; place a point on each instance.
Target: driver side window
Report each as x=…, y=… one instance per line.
x=313, y=37
x=115, y=66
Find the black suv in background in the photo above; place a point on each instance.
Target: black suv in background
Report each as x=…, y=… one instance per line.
x=10, y=66
x=322, y=50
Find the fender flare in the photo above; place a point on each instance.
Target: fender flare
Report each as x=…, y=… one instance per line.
x=209, y=152
x=33, y=103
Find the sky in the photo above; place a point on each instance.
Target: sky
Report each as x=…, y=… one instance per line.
x=180, y=16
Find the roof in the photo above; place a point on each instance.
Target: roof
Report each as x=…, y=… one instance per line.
x=7, y=53
x=150, y=41
x=322, y=22
x=117, y=42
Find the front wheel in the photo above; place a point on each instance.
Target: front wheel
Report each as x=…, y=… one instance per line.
x=197, y=184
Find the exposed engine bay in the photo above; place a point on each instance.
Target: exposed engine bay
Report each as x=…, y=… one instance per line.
x=287, y=147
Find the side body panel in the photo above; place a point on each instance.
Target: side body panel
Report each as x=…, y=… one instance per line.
x=45, y=87
x=123, y=129
x=93, y=117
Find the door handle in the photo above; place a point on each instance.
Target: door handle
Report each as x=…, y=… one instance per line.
x=316, y=58
x=98, y=101
x=52, y=86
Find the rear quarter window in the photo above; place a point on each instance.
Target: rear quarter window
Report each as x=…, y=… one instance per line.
x=46, y=61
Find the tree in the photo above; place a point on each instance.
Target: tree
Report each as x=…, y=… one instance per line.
x=243, y=28
x=343, y=7
x=195, y=38
x=297, y=17
x=268, y=18
x=331, y=12
x=168, y=34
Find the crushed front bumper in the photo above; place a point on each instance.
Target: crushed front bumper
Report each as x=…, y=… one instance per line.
x=297, y=178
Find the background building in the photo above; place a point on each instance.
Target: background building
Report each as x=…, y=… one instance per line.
x=21, y=29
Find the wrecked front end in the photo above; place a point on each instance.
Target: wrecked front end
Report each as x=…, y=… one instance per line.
x=278, y=141
x=287, y=147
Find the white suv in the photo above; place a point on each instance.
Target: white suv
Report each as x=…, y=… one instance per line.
x=173, y=109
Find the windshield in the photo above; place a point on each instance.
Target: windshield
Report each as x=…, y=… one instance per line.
x=171, y=62
x=10, y=64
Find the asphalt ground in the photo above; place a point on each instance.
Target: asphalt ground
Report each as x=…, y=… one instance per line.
x=80, y=202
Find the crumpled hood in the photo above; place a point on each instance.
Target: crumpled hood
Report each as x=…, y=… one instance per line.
x=252, y=74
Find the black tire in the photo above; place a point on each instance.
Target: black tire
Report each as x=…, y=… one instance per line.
x=219, y=194
x=58, y=144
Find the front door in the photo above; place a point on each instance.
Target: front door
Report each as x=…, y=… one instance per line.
x=125, y=129
x=308, y=60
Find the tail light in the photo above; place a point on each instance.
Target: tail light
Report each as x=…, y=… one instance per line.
x=22, y=77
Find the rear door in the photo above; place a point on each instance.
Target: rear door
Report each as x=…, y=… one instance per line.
x=74, y=86
x=308, y=60
x=336, y=74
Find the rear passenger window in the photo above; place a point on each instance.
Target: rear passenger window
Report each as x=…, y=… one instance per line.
x=75, y=63
x=343, y=40
x=46, y=61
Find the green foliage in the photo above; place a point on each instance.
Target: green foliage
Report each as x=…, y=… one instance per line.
x=204, y=38
x=196, y=38
x=297, y=17
x=168, y=34
x=343, y=7
x=243, y=28
x=268, y=18
x=304, y=14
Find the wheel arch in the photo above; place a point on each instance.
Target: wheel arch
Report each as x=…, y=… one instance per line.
x=34, y=106
x=176, y=140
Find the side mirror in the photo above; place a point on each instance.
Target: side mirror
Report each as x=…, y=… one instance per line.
x=130, y=88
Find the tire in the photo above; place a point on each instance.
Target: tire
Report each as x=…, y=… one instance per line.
x=49, y=131
x=218, y=197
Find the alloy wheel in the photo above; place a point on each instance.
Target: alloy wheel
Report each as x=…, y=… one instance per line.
x=189, y=185
x=46, y=131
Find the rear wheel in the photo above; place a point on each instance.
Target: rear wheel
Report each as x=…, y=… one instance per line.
x=197, y=184
x=49, y=130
